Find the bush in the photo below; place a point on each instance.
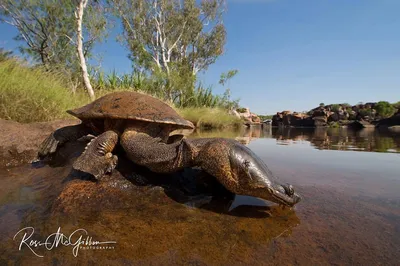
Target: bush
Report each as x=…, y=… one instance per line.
x=384, y=109
x=335, y=107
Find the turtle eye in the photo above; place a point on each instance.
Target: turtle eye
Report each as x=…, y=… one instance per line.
x=289, y=189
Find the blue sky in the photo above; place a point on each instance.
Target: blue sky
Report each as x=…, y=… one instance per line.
x=295, y=54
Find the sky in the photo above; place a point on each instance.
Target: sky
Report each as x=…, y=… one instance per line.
x=295, y=54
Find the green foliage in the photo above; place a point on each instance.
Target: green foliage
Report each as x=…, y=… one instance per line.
x=48, y=29
x=334, y=125
x=352, y=114
x=225, y=77
x=335, y=107
x=33, y=94
x=365, y=112
x=321, y=105
x=169, y=42
x=384, y=109
x=204, y=117
x=241, y=110
x=265, y=117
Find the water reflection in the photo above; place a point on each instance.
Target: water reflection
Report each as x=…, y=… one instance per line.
x=371, y=140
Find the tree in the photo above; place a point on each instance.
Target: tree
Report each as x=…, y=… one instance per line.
x=49, y=30
x=226, y=77
x=384, y=109
x=172, y=38
x=79, y=47
x=43, y=27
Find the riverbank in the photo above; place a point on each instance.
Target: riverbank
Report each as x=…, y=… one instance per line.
x=32, y=95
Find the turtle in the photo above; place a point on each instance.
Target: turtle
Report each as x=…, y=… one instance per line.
x=141, y=125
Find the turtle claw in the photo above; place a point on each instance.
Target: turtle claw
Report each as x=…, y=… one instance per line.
x=59, y=137
x=97, y=158
x=48, y=146
x=113, y=163
x=87, y=138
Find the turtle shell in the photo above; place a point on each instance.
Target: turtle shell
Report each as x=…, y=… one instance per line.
x=133, y=106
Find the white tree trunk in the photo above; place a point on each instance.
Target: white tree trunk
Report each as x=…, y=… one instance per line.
x=79, y=47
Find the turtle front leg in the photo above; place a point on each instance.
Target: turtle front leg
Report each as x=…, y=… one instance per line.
x=155, y=154
x=97, y=158
x=61, y=136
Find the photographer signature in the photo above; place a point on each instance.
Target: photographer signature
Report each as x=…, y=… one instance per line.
x=76, y=239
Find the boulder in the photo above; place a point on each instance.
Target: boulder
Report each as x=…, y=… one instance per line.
x=320, y=121
x=234, y=113
x=394, y=120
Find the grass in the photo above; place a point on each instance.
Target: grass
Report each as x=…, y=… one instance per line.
x=34, y=95
x=204, y=117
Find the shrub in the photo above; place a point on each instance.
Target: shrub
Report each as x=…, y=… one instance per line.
x=335, y=107
x=384, y=109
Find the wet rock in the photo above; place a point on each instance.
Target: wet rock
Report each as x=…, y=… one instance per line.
x=88, y=196
x=19, y=142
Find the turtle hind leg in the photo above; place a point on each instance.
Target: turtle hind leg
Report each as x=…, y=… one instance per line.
x=59, y=137
x=97, y=158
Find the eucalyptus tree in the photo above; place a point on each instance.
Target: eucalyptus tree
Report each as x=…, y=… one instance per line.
x=51, y=33
x=172, y=39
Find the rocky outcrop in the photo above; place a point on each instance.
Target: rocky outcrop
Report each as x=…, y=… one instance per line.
x=247, y=116
x=359, y=116
x=288, y=118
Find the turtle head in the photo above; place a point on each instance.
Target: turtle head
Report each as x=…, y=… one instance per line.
x=256, y=179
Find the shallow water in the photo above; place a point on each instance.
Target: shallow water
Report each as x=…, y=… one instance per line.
x=350, y=214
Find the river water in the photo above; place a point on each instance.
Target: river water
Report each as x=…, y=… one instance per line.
x=350, y=213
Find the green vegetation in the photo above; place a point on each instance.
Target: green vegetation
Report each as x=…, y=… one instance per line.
x=385, y=109
x=210, y=117
x=169, y=43
x=265, y=117
x=334, y=125
x=4, y=55
x=33, y=94
x=335, y=107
